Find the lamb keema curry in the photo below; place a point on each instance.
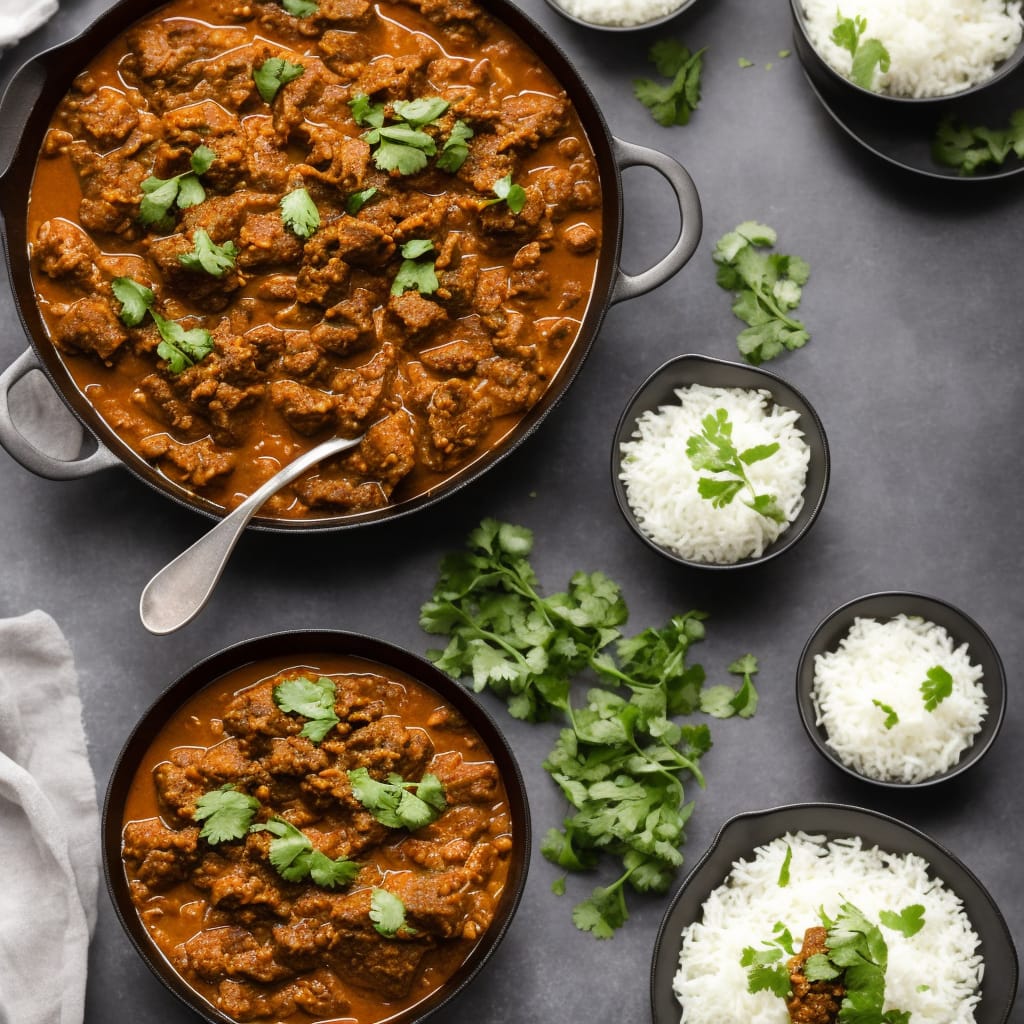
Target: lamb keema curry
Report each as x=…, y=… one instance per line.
x=252, y=230
x=328, y=841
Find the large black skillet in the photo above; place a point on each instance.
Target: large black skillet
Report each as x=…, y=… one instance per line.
x=25, y=112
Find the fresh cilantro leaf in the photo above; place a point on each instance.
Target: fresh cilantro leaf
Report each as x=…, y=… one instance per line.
x=558, y=886
x=820, y=968
x=274, y=73
x=393, y=803
x=717, y=701
x=358, y=200
x=366, y=113
x=183, y=190
x=454, y=151
x=207, y=256
x=867, y=54
x=514, y=196
x=158, y=197
x=766, y=288
x=769, y=979
x=227, y=814
x=300, y=8
x=847, y=32
x=909, y=921
x=672, y=102
x=387, y=912
x=415, y=273
x=602, y=912
x=783, y=879
x=202, y=159
x=136, y=300
x=402, y=147
x=190, y=191
x=421, y=111
x=294, y=858
x=417, y=247
x=936, y=688
x=329, y=873
x=179, y=347
x=311, y=698
x=891, y=718
x=299, y=212
x=971, y=148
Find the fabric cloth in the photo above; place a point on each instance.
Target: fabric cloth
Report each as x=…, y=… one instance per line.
x=19, y=17
x=49, y=828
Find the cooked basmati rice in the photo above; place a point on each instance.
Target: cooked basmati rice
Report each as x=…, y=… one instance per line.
x=619, y=12
x=712, y=986
x=937, y=47
x=888, y=662
x=661, y=484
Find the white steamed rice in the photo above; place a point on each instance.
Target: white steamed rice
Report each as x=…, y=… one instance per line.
x=712, y=986
x=619, y=12
x=888, y=661
x=937, y=47
x=661, y=484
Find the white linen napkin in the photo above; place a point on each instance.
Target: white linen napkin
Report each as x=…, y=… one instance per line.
x=19, y=17
x=49, y=828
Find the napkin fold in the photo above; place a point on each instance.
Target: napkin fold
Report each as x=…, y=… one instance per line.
x=49, y=828
x=19, y=17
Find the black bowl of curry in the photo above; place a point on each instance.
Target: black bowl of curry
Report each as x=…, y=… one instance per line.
x=249, y=230
x=316, y=826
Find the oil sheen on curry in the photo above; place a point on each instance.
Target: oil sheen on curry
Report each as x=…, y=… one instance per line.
x=252, y=230
x=326, y=842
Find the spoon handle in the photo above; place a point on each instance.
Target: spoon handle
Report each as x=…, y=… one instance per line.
x=180, y=590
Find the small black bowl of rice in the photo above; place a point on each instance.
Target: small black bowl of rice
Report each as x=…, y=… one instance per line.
x=620, y=15
x=673, y=496
x=933, y=52
x=901, y=690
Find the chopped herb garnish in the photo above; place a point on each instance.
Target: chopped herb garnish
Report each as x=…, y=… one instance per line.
x=723, y=702
x=387, y=912
x=183, y=190
x=936, y=688
x=311, y=698
x=454, y=152
x=672, y=102
x=366, y=113
x=207, y=256
x=783, y=54
x=416, y=273
x=358, y=200
x=274, y=73
x=398, y=803
x=514, y=196
x=970, y=148
x=403, y=146
x=891, y=718
x=419, y=112
x=909, y=921
x=294, y=858
x=783, y=879
x=300, y=8
x=299, y=212
x=767, y=287
x=764, y=972
x=743, y=62
x=181, y=348
x=136, y=300
x=868, y=54
x=227, y=814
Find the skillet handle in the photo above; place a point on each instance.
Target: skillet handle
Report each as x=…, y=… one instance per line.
x=23, y=451
x=20, y=96
x=628, y=154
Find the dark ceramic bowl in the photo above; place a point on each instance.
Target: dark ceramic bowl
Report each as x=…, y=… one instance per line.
x=304, y=647
x=884, y=606
x=741, y=834
x=822, y=74
x=659, y=389
x=661, y=19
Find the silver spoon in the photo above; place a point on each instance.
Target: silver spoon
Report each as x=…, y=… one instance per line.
x=180, y=590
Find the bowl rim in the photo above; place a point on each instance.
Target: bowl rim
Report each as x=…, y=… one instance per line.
x=666, y=949
x=785, y=542
x=995, y=690
x=1002, y=69
x=306, y=643
x=684, y=5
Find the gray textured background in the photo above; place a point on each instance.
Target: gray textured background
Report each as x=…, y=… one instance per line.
x=914, y=305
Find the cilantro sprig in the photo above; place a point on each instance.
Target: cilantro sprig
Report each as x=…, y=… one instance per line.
x=207, y=256
x=387, y=912
x=767, y=287
x=868, y=54
x=273, y=74
x=300, y=8
x=402, y=146
x=513, y=196
x=908, y=921
x=765, y=973
x=724, y=702
x=673, y=102
x=358, y=200
x=226, y=813
x=891, y=717
x=299, y=212
x=455, y=149
x=938, y=685
x=970, y=148
x=183, y=190
x=313, y=699
x=136, y=300
x=398, y=803
x=713, y=450
x=415, y=272
x=294, y=858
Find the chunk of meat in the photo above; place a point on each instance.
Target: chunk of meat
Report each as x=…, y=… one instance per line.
x=90, y=325
x=63, y=250
x=194, y=464
x=458, y=419
x=386, y=746
x=160, y=856
x=307, y=410
x=214, y=953
x=466, y=782
x=418, y=315
x=812, y=1002
x=105, y=115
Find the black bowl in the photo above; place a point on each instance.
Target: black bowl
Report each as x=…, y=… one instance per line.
x=961, y=627
x=306, y=646
x=741, y=834
x=659, y=389
x=683, y=5
x=824, y=75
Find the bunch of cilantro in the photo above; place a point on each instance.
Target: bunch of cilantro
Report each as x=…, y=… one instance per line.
x=622, y=761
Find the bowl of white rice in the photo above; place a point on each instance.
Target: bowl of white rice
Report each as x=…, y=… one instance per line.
x=620, y=15
x=672, y=489
x=901, y=690
x=908, y=52
x=788, y=864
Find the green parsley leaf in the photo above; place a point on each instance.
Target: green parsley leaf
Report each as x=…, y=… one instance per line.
x=909, y=921
x=227, y=814
x=454, y=151
x=673, y=102
x=891, y=718
x=783, y=879
x=136, y=300
x=416, y=273
x=783, y=54
x=395, y=804
x=970, y=148
x=207, y=256
x=294, y=858
x=868, y=54
x=766, y=287
x=274, y=73
x=299, y=212
x=387, y=912
x=936, y=688
x=179, y=347
x=358, y=200
x=311, y=698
